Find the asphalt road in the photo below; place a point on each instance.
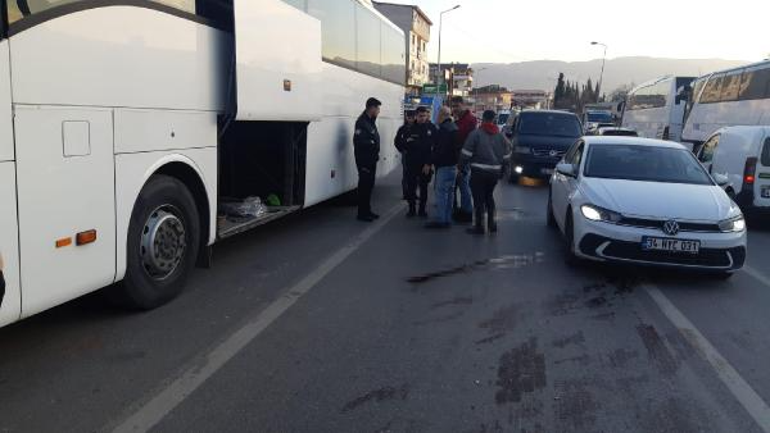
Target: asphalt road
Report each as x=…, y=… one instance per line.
x=318, y=323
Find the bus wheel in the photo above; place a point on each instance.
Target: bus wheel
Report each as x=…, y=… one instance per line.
x=163, y=243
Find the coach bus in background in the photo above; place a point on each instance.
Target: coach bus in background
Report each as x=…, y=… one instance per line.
x=734, y=97
x=656, y=109
x=126, y=124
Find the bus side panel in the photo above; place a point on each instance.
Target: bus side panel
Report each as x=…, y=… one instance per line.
x=66, y=182
x=331, y=168
x=132, y=172
x=6, y=116
x=101, y=57
x=10, y=303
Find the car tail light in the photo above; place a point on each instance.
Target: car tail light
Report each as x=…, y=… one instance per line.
x=749, y=172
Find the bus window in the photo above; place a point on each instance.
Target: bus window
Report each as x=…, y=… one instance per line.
x=393, y=55
x=755, y=84
x=368, y=58
x=299, y=4
x=338, y=21
x=731, y=84
x=713, y=89
x=766, y=153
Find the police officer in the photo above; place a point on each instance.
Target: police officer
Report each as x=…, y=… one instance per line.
x=418, y=161
x=366, y=143
x=402, y=138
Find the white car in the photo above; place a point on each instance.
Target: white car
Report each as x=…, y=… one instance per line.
x=644, y=201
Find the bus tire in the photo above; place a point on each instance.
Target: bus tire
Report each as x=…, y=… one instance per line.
x=162, y=245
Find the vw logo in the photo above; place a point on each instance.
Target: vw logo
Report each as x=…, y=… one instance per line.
x=671, y=228
x=553, y=153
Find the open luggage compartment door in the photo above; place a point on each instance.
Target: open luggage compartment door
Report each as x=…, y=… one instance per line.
x=279, y=65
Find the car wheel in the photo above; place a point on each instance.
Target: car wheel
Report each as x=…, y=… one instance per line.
x=162, y=246
x=569, y=241
x=551, y=220
x=724, y=275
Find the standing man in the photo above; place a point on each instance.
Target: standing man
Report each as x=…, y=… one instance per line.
x=418, y=153
x=485, y=152
x=402, y=136
x=466, y=123
x=366, y=143
x=445, y=157
x=2, y=281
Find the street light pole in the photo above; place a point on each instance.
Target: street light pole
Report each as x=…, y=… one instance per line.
x=604, y=61
x=439, y=73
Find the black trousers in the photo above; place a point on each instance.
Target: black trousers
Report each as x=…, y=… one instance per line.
x=483, y=185
x=416, y=180
x=366, y=176
x=2, y=288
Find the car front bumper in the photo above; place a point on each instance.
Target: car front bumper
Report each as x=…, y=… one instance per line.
x=534, y=166
x=617, y=243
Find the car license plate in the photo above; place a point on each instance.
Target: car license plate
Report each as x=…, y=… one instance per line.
x=766, y=191
x=546, y=171
x=670, y=245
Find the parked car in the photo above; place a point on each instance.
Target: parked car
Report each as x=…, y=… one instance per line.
x=741, y=155
x=540, y=139
x=616, y=132
x=644, y=201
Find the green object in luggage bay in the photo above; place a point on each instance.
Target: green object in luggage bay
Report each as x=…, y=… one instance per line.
x=764, y=175
x=273, y=200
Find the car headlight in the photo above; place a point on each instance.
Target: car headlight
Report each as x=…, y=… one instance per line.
x=596, y=213
x=522, y=149
x=734, y=225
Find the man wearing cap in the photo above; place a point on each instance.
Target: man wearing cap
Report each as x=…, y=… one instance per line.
x=366, y=142
x=418, y=170
x=486, y=152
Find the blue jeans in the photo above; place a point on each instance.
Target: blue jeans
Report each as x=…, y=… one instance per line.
x=466, y=197
x=445, y=185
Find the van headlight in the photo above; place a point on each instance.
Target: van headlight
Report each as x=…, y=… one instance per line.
x=596, y=213
x=733, y=225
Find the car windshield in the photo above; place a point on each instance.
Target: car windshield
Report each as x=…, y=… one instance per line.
x=551, y=124
x=599, y=117
x=645, y=163
x=619, y=132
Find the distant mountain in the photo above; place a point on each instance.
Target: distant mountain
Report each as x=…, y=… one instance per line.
x=620, y=71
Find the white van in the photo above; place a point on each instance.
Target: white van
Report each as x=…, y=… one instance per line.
x=739, y=158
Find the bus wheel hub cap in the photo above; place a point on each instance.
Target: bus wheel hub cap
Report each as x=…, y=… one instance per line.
x=163, y=244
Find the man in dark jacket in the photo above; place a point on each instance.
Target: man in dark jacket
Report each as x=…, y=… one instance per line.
x=466, y=123
x=417, y=152
x=366, y=142
x=403, y=134
x=444, y=158
x=486, y=152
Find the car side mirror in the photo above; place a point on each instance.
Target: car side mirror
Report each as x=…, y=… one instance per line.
x=721, y=179
x=566, y=169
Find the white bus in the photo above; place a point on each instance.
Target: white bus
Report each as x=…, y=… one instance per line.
x=656, y=108
x=735, y=97
x=124, y=124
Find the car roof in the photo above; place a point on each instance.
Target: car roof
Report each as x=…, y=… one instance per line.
x=630, y=141
x=567, y=113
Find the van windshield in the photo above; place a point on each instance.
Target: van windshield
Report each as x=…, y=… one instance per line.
x=502, y=118
x=550, y=124
x=599, y=117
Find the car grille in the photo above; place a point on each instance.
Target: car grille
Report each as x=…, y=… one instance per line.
x=658, y=224
x=547, y=152
x=707, y=258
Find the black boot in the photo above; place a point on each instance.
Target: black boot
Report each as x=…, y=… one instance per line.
x=423, y=213
x=492, y=225
x=412, y=210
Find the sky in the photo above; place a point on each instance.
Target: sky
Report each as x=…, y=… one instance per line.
x=508, y=31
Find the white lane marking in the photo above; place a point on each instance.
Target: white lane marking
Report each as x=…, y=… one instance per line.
x=151, y=413
x=759, y=276
x=743, y=392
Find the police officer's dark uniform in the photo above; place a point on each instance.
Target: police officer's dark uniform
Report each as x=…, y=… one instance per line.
x=402, y=137
x=366, y=142
x=418, y=154
x=2, y=284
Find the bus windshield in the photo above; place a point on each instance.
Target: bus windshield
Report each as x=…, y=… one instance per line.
x=599, y=117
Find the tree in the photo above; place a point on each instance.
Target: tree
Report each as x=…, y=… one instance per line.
x=560, y=91
x=621, y=93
